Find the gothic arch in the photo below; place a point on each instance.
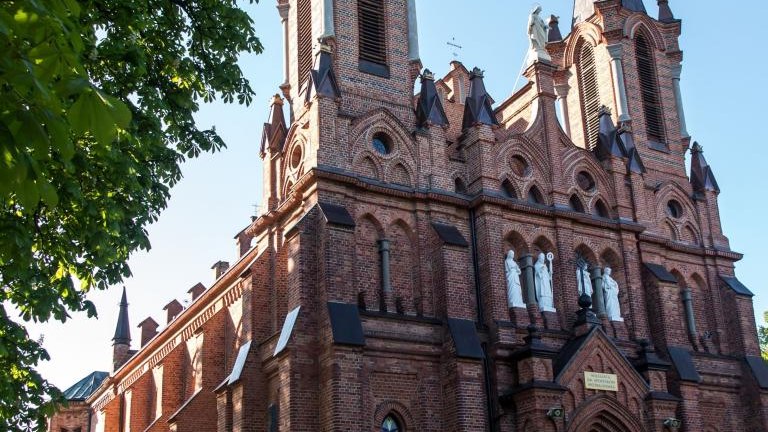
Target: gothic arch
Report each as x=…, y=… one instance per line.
x=508, y=188
x=367, y=164
x=396, y=409
x=399, y=173
x=542, y=244
x=576, y=160
x=515, y=241
x=604, y=414
x=587, y=253
x=368, y=231
x=534, y=187
x=690, y=234
x=672, y=190
x=526, y=149
x=382, y=120
x=585, y=32
x=642, y=22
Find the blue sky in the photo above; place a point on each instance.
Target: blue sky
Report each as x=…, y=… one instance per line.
x=724, y=92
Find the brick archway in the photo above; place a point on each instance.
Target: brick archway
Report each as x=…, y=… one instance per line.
x=604, y=414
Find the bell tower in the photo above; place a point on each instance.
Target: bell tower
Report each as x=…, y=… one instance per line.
x=373, y=44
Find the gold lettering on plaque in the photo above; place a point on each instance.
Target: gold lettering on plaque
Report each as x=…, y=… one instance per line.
x=601, y=381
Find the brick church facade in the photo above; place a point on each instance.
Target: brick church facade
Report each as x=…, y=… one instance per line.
x=375, y=292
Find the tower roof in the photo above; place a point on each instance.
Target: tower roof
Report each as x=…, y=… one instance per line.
x=477, y=108
x=275, y=129
x=583, y=9
x=85, y=387
x=429, y=110
x=123, y=328
x=702, y=177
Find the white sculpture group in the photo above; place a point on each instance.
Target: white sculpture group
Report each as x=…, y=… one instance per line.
x=542, y=282
x=543, y=285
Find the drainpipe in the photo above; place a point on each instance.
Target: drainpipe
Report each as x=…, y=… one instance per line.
x=490, y=409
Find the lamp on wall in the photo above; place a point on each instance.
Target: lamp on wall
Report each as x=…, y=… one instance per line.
x=673, y=423
x=556, y=413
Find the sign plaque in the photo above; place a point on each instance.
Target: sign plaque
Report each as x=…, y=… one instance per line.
x=601, y=381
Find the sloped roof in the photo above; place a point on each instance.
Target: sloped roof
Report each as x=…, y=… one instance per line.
x=86, y=386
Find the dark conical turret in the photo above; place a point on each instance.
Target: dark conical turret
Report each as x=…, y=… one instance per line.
x=634, y=163
x=322, y=79
x=702, y=177
x=429, y=110
x=123, y=329
x=583, y=9
x=478, y=105
x=607, y=140
x=554, y=35
x=665, y=13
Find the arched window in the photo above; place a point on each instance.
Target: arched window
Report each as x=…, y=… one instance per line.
x=390, y=425
x=372, y=38
x=508, y=190
x=601, y=209
x=649, y=88
x=534, y=196
x=576, y=204
x=590, y=94
x=304, y=38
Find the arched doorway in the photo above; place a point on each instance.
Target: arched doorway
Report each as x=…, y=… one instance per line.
x=604, y=415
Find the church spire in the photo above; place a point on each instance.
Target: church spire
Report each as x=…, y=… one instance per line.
x=123, y=329
x=429, y=110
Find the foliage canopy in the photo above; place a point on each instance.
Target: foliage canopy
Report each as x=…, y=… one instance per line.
x=96, y=115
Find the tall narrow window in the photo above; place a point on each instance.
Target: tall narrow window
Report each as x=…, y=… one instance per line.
x=304, y=38
x=649, y=88
x=590, y=95
x=372, y=38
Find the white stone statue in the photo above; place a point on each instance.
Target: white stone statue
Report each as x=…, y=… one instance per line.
x=514, y=291
x=543, y=280
x=537, y=35
x=582, y=279
x=611, y=290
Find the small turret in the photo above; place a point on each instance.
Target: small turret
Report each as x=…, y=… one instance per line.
x=121, y=342
x=665, y=13
x=478, y=106
x=322, y=79
x=429, y=110
x=275, y=130
x=702, y=177
x=583, y=9
x=607, y=141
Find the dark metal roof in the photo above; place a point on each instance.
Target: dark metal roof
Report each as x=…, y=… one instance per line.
x=429, y=110
x=702, y=177
x=465, y=338
x=450, y=235
x=660, y=273
x=336, y=214
x=477, y=107
x=85, y=387
x=665, y=13
x=608, y=137
x=759, y=369
x=345, y=324
x=626, y=140
x=554, y=34
x=683, y=363
x=123, y=328
x=737, y=286
x=322, y=78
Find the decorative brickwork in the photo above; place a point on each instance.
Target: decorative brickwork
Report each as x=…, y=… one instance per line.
x=406, y=207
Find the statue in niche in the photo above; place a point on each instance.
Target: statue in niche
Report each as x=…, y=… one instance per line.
x=514, y=291
x=543, y=281
x=611, y=290
x=537, y=35
x=583, y=279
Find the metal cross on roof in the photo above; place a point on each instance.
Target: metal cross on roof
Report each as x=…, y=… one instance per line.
x=456, y=47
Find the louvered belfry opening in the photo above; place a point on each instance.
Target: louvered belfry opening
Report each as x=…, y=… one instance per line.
x=649, y=88
x=590, y=95
x=372, y=37
x=304, y=38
